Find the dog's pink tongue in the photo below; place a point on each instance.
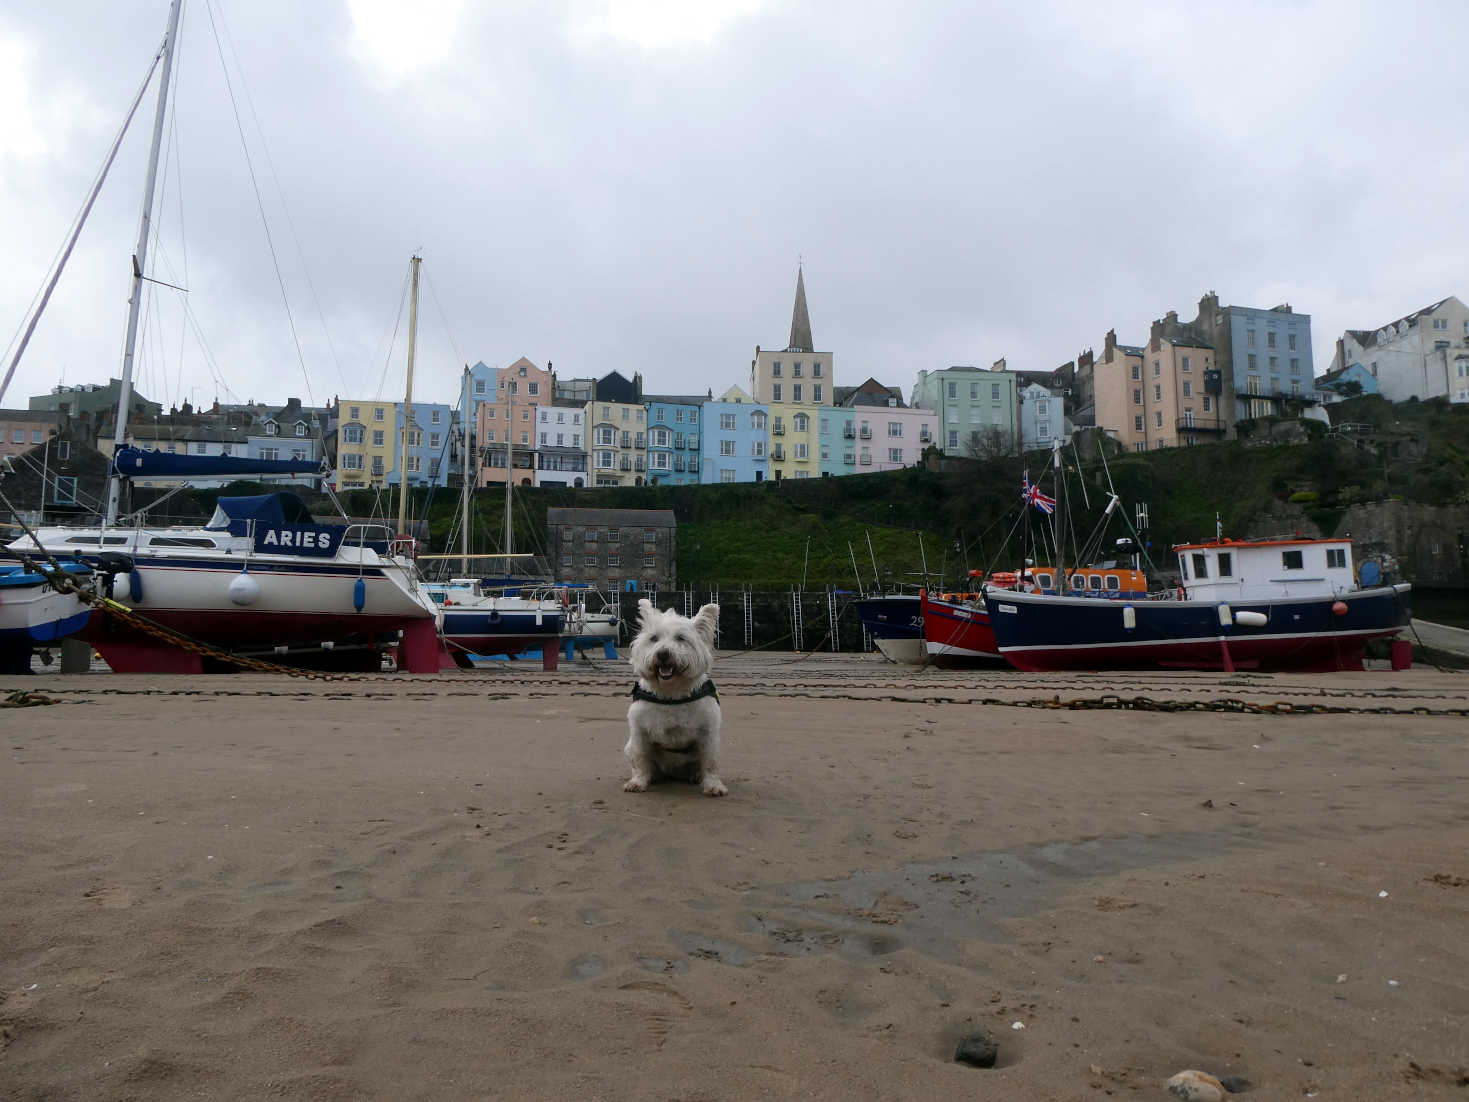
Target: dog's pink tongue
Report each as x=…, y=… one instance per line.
x=665, y=672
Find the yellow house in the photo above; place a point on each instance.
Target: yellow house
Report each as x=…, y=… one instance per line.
x=796, y=385
x=367, y=444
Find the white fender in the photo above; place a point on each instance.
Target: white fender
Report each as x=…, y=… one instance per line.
x=1250, y=619
x=244, y=589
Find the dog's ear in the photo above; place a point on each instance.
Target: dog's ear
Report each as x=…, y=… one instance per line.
x=645, y=610
x=706, y=621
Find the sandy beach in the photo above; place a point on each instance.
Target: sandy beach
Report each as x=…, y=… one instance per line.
x=257, y=887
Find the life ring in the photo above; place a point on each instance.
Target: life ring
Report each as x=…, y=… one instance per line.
x=1004, y=577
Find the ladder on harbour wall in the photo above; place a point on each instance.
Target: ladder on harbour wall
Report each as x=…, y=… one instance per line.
x=831, y=619
x=714, y=600
x=688, y=603
x=745, y=599
x=798, y=635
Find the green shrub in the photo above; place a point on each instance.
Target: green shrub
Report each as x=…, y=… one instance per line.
x=1304, y=497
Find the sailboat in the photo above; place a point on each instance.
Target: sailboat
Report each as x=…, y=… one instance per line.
x=480, y=621
x=262, y=577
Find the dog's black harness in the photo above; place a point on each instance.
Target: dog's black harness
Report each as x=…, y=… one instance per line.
x=706, y=689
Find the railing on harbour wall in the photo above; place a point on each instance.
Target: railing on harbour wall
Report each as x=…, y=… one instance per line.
x=822, y=620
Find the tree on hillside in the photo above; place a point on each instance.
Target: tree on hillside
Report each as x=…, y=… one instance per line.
x=988, y=443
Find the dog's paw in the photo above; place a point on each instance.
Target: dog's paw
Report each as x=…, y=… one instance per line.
x=713, y=786
x=635, y=784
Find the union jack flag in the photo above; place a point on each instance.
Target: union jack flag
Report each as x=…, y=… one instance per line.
x=1031, y=494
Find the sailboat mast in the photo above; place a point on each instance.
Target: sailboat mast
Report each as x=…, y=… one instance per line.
x=1063, y=586
x=509, y=465
x=408, y=407
x=464, y=480
x=140, y=261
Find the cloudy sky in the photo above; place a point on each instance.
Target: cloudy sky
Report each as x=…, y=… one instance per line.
x=630, y=184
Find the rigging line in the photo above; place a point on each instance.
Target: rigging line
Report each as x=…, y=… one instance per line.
x=260, y=204
x=448, y=332
x=281, y=195
x=393, y=343
x=39, y=303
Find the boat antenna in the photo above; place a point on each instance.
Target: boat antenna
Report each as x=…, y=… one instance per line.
x=855, y=571
x=464, y=404
x=1218, y=529
x=877, y=581
x=140, y=265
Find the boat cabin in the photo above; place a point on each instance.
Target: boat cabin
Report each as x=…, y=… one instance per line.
x=1232, y=569
x=1106, y=580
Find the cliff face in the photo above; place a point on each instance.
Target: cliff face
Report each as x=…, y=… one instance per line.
x=1427, y=545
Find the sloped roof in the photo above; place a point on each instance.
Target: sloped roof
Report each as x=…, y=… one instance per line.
x=646, y=518
x=800, y=319
x=1367, y=338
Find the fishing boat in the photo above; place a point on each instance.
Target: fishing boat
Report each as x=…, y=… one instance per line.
x=34, y=613
x=895, y=623
x=1272, y=604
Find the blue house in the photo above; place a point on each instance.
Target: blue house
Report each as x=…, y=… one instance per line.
x=736, y=439
x=292, y=432
x=674, y=438
x=1336, y=385
x=428, y=446
x=836, y=442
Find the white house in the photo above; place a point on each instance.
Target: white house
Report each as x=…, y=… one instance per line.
x=1042, y=417
x=1422, y=355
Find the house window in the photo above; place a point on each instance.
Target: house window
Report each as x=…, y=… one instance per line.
x=18, y=436
x=801, y=423
x=995, y=392
x=1043, y=429
x=1137, y=371
x=1249, y=338
x=35, y=436
x=757, y=449
x=589, y=560
x=727, y=422
x=1253, y=362
x=795, y=392
x=953, y=438
x=1270, y=339
x=377, y=413
x=775, y=369
x=1157, y=369
x=1137, y=396
x=543, y=439
x=1290, y=341
x=796, y=370
x=1158, y=419
x=660, y=461
x=1208, y=403
x=565, y=560
x=433, y=439
x=353, y=434
x=1188, y=388
x=66, y=490
x=201, y=449
x=614, y=560
x=351, y=462
x=974, y=392
x=775, y=392
x=1157, y=392
x=895, y=428
x=1137, y=423
x=648, y=562
x=1374, y=369
x=271, y=428
x=1295, y=366
x=1292, y=560
x=816, y=392
x=354, y=413
x=270, y=453
x=895, y=455
x=815, y=369
x=479, y=386
x=757, y=420
x=803, y=451
x=726, y=474
x=726, y=447
x=533, y=388
x=1336, y=558
x=953, y=390
x=414, y=464
x=1186, y=365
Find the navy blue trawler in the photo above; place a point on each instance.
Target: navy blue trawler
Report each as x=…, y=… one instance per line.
x=895, y=622
x=1277, y=604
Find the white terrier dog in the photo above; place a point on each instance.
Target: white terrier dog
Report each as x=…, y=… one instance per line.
x=673, y=721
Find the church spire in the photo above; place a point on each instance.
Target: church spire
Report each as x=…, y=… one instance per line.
x=800, y=319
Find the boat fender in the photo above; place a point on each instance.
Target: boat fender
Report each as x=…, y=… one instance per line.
x=243, y=589
x=1226, y=617
x=1129, y=617
x=359, y=594
x=1248, y=619
x=1338, y=608
x=135, y=585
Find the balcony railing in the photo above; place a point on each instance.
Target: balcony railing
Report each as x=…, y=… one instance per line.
x=865, y=433
x=777, y=430
x=925, y=438
x=849, y=459
x=866, y=460
x=1196, y=424
x=777, y=454
x=849, y=432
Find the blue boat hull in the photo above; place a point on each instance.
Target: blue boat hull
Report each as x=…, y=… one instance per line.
x=1037, y=633
x=895, y=623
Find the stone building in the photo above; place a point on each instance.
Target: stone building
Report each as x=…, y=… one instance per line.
x=614, y=549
